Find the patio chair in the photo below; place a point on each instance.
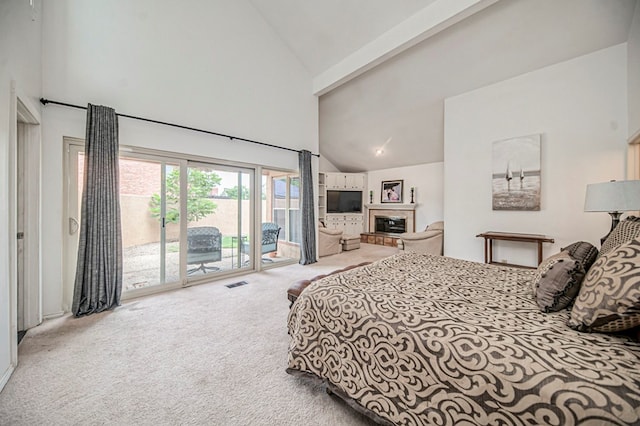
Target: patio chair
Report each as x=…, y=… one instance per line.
x=269, y=243
x=204, y=245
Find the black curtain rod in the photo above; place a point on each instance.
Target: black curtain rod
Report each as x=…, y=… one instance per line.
x=44, y=101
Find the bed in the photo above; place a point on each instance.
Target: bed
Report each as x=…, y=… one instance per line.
x=421, y=339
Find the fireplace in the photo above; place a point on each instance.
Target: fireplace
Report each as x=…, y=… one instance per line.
x=390, y=224
x=392, y=211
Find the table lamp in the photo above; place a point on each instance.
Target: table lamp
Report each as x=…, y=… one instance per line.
x=614, y=198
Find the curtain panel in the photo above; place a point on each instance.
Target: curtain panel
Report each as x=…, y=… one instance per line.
x=308, y=241
x=98, y=283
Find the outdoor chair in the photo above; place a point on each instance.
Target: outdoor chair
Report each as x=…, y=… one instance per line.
x=204, y=245
x=269, y=243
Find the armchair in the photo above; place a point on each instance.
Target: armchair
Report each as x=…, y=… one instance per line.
x=431, y=240
x=328, y=241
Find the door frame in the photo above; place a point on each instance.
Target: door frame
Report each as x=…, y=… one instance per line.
x=23, y=110
x=30, y=139
x=162, y=161
x=68, y=220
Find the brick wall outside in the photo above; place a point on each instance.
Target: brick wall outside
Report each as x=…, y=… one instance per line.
x=136, y=177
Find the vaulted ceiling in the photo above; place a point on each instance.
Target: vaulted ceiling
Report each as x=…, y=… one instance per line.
x=396, y=102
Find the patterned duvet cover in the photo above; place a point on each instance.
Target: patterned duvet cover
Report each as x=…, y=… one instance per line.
x=420, y=339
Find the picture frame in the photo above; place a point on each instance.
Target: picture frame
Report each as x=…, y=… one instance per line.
x=516, y=173
x=391, y=191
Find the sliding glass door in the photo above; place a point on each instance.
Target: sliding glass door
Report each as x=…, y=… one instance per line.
x=219, y=215
x=186, y=221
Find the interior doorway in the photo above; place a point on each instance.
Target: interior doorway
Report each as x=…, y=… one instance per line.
x=23, y=179
x=27, y=219
x=20, y=229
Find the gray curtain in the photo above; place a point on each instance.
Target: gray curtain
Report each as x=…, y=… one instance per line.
x=99, y=271
x=308, y=225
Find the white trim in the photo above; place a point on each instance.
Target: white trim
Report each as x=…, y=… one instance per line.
x=31, y=140
x=635, y=138
x=6, y=376
x=392, y=206
x=436, y=17
x=70, y=172
x=54, y=315
x=12, y=229
x=26, y=112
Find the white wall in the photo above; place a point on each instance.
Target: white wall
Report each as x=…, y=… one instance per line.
x=633, y=73
x=580, y=108
x=325, y=165
x=428, y=182
x=215, y=65
x=20, y=53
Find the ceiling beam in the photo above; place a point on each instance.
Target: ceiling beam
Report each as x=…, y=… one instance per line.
x=434, y=18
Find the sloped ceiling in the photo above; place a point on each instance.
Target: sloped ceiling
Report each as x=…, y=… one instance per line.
x=398, y=105
x=321, y=33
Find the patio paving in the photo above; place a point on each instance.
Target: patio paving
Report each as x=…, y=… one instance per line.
x=142, y=264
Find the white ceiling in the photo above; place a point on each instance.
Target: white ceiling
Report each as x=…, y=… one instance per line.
x=321, y=33
x=399, y=104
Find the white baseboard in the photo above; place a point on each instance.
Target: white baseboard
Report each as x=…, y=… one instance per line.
x=5, y=377
x=54, y=315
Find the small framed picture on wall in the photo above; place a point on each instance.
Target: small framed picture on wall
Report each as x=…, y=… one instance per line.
x=391, y=191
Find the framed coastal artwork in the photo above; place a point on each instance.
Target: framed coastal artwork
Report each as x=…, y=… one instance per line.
x=391, y=191
x=515, y=180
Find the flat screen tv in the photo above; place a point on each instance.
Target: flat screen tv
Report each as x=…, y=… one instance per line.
x=344, y=201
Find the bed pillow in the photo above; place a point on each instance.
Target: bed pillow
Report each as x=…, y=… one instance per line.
x=626, y=231
x=584, y=252
x=557, y=282
x=609, y=299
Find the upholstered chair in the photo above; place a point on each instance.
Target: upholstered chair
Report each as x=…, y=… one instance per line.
x=431, y=240
x=328, y=240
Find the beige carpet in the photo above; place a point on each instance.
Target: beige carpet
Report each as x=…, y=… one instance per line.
x=200, y=355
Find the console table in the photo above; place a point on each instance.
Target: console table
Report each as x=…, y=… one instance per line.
x=508, y=236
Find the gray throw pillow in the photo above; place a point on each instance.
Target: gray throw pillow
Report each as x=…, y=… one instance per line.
x=626, y=231
x=609, y=300
x=557, y=282
x=584, y=252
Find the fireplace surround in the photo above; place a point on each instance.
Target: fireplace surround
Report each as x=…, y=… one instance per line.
x=390, y=224
x=396, y=211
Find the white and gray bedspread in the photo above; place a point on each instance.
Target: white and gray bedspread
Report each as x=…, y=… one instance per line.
x=421, y=339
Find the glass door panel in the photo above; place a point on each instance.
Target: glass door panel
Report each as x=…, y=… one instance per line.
x=281, y=205
x=294, y=210
x=73, y=190
x=219, y=212
x=150, y=211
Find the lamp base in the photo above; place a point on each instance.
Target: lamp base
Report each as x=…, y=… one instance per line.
x=615, y=219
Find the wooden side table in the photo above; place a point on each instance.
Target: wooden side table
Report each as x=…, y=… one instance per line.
x=508, y=236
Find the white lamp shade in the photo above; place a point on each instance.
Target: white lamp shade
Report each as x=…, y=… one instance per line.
x=614, y=196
